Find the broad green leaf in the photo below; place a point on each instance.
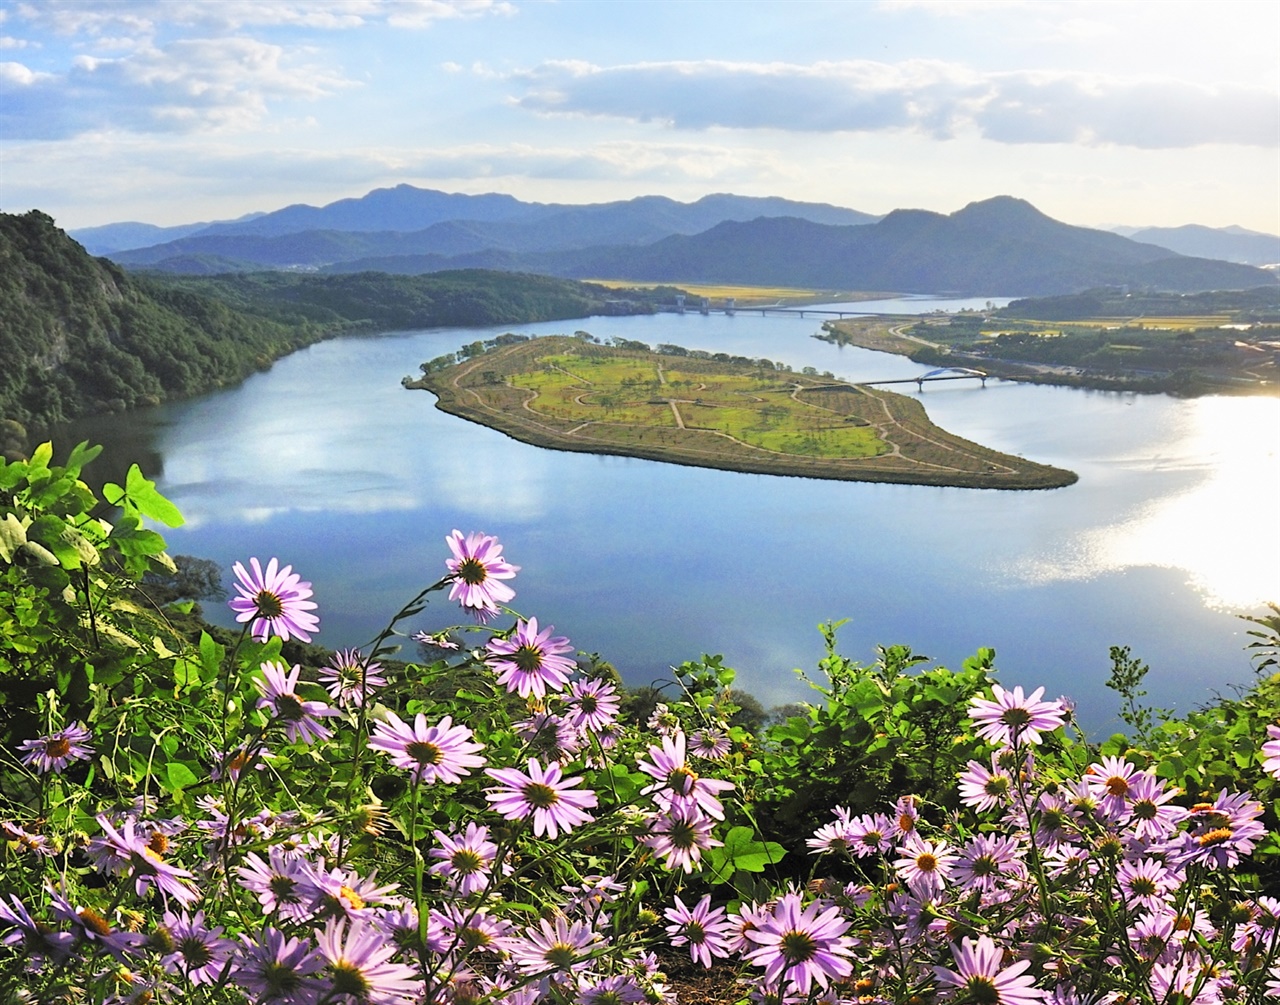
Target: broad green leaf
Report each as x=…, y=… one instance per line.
x=150, y=503
x=178, y=776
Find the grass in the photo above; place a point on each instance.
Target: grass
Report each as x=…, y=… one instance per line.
x=573, y=395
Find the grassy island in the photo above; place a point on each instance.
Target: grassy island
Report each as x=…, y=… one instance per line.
x=731, y=413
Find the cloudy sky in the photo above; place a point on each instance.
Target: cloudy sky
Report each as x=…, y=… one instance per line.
x=1100, y=113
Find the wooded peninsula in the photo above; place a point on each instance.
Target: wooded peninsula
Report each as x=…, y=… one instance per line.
x=716, y=411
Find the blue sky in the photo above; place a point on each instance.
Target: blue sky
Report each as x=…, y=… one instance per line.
x=1100, y=113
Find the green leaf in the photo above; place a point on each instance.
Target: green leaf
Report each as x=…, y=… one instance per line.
x=81, y=455
x=178, y=776
x=742, y=852
x=150, y=503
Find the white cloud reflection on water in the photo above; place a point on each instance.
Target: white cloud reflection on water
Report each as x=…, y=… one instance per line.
x=1219, y=530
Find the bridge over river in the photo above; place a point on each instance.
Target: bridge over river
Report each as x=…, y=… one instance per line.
x=942, y=373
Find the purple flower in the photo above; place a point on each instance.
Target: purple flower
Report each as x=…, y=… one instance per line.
x=553, y=947
x=531, y=662
x=678, y=785
x=803, y=947
x=275, y=601
x=592, y=704
x=542, y=794
x=476, y=569
x=1271, y=752
x=350, y=680
x=133, y=853
x=983, y=789
x=283, y=884
x=278, y=969
x=465, y=860
x=300, y=717
x=38, y=942
x=981, y=977
x=440, y=753
x=1013, y=718
x=705, y=931
x=360, y=966
x=199, y=953
x=925, y=865
x=680, y=836
x=55, y=752
x=711, y=743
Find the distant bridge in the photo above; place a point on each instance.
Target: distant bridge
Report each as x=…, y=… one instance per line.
x=942, y=373
x=731, y=306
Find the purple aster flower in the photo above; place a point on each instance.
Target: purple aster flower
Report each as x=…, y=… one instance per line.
x=680, y=836
x=465, y=860
x=1271, y=752
x=440, y=753
x=617, y=990
x=705, y=931
x=987, y=860
x=711, y=744
x=803, y=947
x=1149, y=816
x=132, y=852
x=1013, y=718
x=543, y=794
x=440, y=640
x=92, y=927
x=981, y=976
x=531, y=662
x=199, y=953
x=1146, y=882
x=24, y=840
x=300, y=717
x=476, y=569
x=983, y=789
x=549, y=737
x=283, y=883
x=554, y=947
x=925, y=866
x=1110, y=782
x=278, y=969
x=361, y=970
x=274, y=601
x=592, y=704
x=55, y=752
x=870, y=834
x=457, y=931
x=349, y=680
x=1223, y=831
x=678, y=785
x=344, y=892
x=37, y=942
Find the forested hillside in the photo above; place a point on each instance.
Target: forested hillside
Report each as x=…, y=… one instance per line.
x=79, y=336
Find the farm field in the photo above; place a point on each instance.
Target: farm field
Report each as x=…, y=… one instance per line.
x=731, y=413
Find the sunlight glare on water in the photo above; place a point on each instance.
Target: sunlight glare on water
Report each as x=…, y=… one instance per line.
x=1219, y=530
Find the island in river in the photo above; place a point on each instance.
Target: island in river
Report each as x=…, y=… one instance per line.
x=733, y=413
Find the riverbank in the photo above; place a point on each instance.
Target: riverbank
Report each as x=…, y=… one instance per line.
x=730, y=414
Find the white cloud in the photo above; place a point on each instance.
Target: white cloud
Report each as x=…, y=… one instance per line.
x=144, y=17
x=6, y=42
x=931, y=97
x=188, y=85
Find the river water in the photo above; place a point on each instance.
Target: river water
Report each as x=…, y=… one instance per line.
x=328, y=463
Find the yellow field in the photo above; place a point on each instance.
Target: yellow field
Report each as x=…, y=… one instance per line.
x=747, y=294
x=1204, y=321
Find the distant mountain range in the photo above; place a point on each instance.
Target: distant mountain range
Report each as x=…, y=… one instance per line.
x=1231, y=244
x=1001, y=246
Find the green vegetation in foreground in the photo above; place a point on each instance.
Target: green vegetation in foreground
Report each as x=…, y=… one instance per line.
x=715, y=411
x=1186, y=344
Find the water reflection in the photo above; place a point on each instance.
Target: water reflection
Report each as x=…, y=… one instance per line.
x=327, y=462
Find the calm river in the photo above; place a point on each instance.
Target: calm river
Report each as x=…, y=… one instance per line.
x=328, y=463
